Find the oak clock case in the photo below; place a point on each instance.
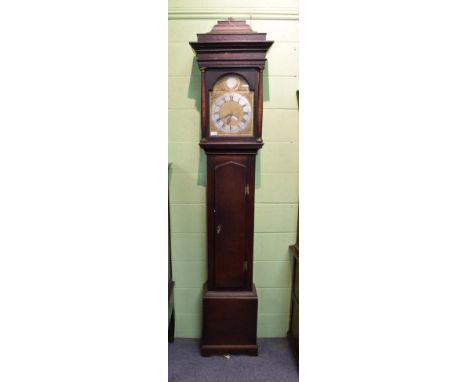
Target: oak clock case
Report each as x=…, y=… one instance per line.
x=231, y=58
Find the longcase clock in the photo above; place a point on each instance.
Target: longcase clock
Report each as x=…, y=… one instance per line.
x=231, y=58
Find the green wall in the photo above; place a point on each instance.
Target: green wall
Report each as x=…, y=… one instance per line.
x=276, y=199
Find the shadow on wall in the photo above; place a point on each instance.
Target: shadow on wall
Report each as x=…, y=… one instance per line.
x=194, y=92
x=266, y=97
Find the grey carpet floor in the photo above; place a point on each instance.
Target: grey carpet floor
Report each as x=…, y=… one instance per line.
x=274, y=363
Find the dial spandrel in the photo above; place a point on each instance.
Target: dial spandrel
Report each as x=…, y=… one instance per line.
x=231, y=107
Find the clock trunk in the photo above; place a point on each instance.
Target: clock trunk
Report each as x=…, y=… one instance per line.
x=230, y=200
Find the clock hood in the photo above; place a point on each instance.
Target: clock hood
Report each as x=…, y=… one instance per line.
x=229, y=42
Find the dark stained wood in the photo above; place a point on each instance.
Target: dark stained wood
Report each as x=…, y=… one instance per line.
x=208, y=350
x=170, y=309
x=293, y=332
x=260, y=103
x=231, y=146
x=230, y=27
x=230, y=253
x=230, y=182
x=204, y=96
x=230, y=300
x=230, y=322
x=231, y=47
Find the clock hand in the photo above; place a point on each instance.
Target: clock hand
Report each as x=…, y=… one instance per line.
x=228, y=117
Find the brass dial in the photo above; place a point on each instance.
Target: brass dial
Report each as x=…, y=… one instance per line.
x=231, y=112
x=231, y=108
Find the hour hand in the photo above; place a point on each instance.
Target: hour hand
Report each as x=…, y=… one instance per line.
x=227, y=117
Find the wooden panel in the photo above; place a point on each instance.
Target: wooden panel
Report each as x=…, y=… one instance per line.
x=296, y=279
x=295, y=321
x=293, y=334
x=230, y=252
x=230, y=180
x=170, y=309
x=229, y=322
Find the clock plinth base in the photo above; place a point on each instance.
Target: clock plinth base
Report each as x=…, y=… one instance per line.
x=209, y=350
x=229, y=322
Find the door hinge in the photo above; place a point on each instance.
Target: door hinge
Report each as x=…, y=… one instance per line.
x=245, y=265
x=247, y=189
